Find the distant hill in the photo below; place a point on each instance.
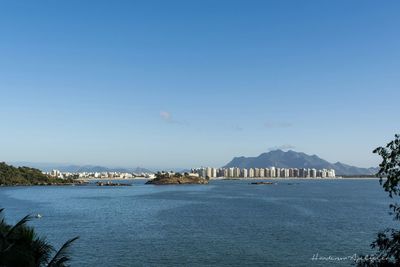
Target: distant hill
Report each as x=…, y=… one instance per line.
x=79, y=168
x=89, y=168
x=10, y=175
x=293, y=159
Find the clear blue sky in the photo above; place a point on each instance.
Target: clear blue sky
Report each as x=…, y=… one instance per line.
x=164, y=84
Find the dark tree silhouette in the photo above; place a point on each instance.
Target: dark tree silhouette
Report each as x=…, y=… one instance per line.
x=387, y=242
x=20, y=246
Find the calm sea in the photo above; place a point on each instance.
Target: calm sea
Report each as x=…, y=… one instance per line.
x=225, y=223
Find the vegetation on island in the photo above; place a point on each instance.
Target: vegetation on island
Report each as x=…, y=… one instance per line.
x=387, y=242
x=20, y=246
x=166, y=178
x=10, y=175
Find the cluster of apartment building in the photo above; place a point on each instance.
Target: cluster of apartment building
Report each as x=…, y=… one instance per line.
x=209, y=172
x=97, y=175
x=271, y=172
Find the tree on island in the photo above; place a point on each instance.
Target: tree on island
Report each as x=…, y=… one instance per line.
x=20, y=246
x=10, y=175
x=387, y=242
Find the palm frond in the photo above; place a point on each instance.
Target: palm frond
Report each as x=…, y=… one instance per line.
x=3, y=222
x=22, y=222
x=42, y=251
x=62, y=256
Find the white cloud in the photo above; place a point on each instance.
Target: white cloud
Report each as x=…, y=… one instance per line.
x=237, y=128
x=166, y=116
x=282, y=147
x=271, y=125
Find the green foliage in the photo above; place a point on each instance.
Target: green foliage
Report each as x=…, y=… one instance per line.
x=387, y=242
x=10, y=175
x=390, y=166
x=163, y=175
x=21, y=247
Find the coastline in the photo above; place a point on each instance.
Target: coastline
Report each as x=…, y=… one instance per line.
x=112, y=179
x=82, y=182
x=57, y=184
x=295, y=178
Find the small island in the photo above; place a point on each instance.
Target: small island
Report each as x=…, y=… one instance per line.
x=108, y=183
x=171, y=178
x=11, y=176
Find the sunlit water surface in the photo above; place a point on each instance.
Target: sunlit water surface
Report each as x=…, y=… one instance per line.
x=225, y=223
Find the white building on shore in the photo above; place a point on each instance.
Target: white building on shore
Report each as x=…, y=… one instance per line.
x=271, y=172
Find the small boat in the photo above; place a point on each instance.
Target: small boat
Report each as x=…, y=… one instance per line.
x=262, y=183
x=38, y=216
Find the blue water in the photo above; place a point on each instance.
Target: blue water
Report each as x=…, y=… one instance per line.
x=225, y=223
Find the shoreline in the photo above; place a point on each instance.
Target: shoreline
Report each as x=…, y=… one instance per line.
x=113, y=179
x=212, y=179
x=295, y=178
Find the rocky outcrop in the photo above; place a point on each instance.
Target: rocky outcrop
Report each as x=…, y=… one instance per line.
x=111, y=184
x=166, y=180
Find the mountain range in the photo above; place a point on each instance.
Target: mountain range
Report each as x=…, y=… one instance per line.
x=293, y=159
x=276, y=158
x=78, y=168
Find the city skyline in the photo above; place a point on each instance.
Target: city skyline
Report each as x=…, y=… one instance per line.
x=268, y=172
x=206, y=172
x=180, y=84
x=47, y=166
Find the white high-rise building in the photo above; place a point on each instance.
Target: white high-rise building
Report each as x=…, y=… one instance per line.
x=313, y=173
x=272, y=172
x=267, y=172
x=203, y=172
x=236, y=172
x=331, y=173
x=230, y=172
x=251, y=173
x=213, y=172
x=208, y=172
x=286, y=173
